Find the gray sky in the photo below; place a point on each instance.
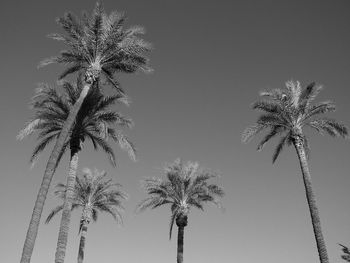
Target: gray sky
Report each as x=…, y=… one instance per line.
x=211, y=59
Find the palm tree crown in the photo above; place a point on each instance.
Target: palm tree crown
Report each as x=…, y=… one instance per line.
x=186, y=186
x=287, y=111
x=100, y=45
x=94, y=120
x=93, y=193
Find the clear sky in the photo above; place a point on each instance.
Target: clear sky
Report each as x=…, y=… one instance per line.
x=211, y=58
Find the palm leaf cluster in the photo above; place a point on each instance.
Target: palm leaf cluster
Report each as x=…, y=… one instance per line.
x=346, y=252
x=100, y=45
x=185, y=186
x=287, y=111
x=95, y=121
x=94, y=193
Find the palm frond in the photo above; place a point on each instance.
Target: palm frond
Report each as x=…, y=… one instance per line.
x=309, y=94
x=72, y=69
x=294, y=89
x=172, y=220
x=41, y=146
x=113, y=117
x=109, y=77
x=346, y=251
x=251, y=131
x=279, y=147
x=29, y=129
x=53, y=212
x=320, y=108
x=266, y=106
x=107, y=149
x=276, y=130
x=123, y=142
x=330, y=126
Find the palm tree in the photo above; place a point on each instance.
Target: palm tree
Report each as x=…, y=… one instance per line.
x=185, y=187
x=98, y=46
x=285, y=113
x=93, y=193
x=94, y=122
x=346, y=251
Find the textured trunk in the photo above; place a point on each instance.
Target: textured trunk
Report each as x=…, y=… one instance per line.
x=180, y=244
x=310, y=196
x=82, y=242
x=49, y=171
x=181, y=222
x=67, y=207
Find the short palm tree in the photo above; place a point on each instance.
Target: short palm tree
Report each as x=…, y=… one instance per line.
x=98, y=46
x=285, y=113
x=186, y=186
x=92, y=193
x=95, y=121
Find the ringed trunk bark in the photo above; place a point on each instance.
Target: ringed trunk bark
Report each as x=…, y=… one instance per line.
x=82, y=242
x=310, y=196
x=180, y=244
x=49, y=171
x=67, y=207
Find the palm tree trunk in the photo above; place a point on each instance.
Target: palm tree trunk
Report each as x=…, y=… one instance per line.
x=82, y=242
x=49, y=171
x=67, y=207
x=180, y=244
x=310, y=196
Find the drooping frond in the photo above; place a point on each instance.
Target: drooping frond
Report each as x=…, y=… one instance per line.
x=174, y=214
x=123, y=142
x=276, y=130
x=53, y=213
x=267, y=106
x=279, y=148
x=107, y=149
x=330, y=126
x=41, y=146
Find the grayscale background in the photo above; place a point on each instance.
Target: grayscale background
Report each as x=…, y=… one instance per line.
x=211, y=59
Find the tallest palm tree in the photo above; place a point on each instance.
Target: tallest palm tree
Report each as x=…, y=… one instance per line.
x=285, y=113
x=98, y=47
